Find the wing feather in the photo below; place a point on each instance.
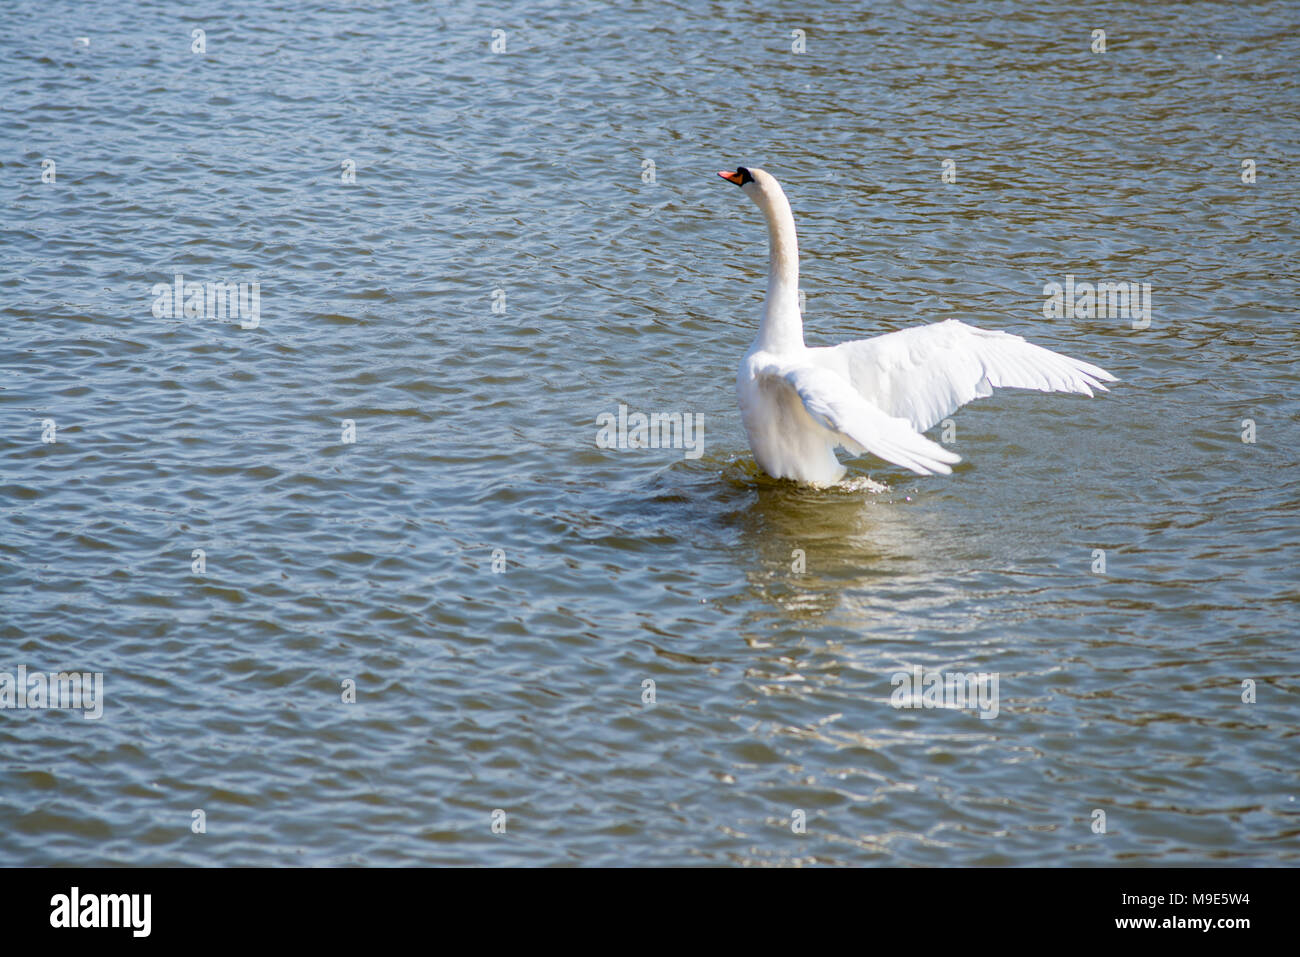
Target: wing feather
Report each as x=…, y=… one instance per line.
x=926, y=373
x=833, y=403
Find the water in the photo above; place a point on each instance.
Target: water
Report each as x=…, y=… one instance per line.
x=372, y=561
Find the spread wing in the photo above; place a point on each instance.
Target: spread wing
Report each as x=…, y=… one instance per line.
x=926, y=373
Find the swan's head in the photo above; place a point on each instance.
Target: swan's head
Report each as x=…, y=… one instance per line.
x=757, y=184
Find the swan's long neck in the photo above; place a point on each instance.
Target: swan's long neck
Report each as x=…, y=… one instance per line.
x=782, y=326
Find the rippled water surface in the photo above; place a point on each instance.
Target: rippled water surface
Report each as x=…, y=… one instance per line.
x=507, y=267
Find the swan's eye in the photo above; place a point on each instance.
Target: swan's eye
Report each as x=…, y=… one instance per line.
x=744, y=175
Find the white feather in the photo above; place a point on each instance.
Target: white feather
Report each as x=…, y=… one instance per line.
x=874, y=395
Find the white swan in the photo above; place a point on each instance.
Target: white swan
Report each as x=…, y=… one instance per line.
x=874, y=395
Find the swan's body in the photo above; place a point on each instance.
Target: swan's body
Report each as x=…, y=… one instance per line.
x=872, y=395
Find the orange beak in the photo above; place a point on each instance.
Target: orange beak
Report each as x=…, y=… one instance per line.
x=730, y=177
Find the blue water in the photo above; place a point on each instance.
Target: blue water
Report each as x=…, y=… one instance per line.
x=504, y=270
